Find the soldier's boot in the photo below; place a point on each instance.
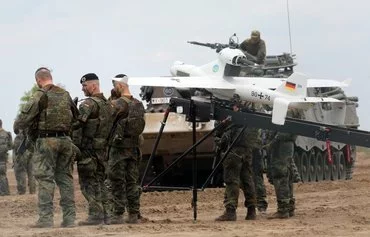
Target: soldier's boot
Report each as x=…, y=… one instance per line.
x=68, y=224
x=228, y=215
x=91, y=221
x=251, y=213
x=116, y=220
x=43, y=224
x=132, y=218
x=292, y=208
x=279, y=215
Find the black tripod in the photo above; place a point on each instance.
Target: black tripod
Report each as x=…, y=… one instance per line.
x=192, y=116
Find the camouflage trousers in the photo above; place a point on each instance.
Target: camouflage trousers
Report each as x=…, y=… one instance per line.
x=23, y=169
x=4, y=184
x=258, y=179
x=92, y=176
x=281, y=174
x=123, y=174
x=53, y=164
x=238, y=175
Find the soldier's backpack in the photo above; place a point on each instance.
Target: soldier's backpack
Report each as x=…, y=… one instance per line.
x=134, y=123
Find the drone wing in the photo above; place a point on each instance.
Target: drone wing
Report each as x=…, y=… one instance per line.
x=281, y=106
x=183, y=82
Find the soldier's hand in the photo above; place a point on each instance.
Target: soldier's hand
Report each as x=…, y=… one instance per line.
x=113, y=94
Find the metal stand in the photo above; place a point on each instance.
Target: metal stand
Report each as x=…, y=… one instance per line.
x=214, y=170
x=192, y=115
x=158, y=138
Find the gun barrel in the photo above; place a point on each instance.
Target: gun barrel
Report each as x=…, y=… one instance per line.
x=202, y=44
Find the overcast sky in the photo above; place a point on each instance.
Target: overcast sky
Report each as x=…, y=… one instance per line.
x=331, y=39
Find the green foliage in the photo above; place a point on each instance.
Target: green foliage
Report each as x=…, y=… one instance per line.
x=27, y=96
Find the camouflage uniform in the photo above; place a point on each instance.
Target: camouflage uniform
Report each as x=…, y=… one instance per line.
x=6, y=144
x=257, y=49
x=282, y=151
x=96, y=121
x=49, y=115
x=123, y=171
x=23, y=166
x=258, y=180
x=238, y=172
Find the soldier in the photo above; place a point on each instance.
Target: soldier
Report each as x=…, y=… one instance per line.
x=6, y=144
x=258, y=180
x=48, y=116
x=238, y=172
x=124, y=152
x=92, y=138
x=23, y=165
x=282, y=171
x=255, y=46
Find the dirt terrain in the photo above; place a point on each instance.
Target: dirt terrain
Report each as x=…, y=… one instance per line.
x=323, y=209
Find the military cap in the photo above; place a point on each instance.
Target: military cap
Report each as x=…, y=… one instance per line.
x=121, y=78
x=89, y=77
x=255, y=34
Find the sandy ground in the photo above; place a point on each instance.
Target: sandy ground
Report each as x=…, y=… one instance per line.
x=323, y=209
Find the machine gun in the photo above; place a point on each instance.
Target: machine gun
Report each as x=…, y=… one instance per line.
x=233, y=43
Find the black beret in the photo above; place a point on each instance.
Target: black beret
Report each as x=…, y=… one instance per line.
x=89, y=77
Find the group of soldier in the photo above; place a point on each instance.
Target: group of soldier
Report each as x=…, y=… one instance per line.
x=104, y=137
x=60, y=134
x=243, y=163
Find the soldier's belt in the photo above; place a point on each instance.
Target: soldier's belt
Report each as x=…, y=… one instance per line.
x=52, y=134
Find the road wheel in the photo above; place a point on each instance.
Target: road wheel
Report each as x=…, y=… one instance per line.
x=298, y=163
x=335, y=166
x=319, y=166
x=312, y=166
x=341, y=166
x=327, y=167
x=305, y=167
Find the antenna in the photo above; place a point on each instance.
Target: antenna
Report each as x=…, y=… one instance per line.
x=290, y=35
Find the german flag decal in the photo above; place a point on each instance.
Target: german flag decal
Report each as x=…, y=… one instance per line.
x=290, y=86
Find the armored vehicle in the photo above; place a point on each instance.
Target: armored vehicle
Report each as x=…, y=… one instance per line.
x=316, y=160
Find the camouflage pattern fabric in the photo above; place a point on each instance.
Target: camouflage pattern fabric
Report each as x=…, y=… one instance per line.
x=53, y=162
x=238, y=169
x=281, y=173
x=96, y=122
x=92, y=176
x=258, y=179
x=23, y=171
x=123, y=174
x=54, y=152
x=6, y=144
x=4, y=183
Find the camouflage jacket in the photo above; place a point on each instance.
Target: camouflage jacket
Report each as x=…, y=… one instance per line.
x=29, y=117
x=95, y=122
x=258, y=50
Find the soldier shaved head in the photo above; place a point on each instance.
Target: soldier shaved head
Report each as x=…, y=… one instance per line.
x=43, y=73
x=43, y=77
